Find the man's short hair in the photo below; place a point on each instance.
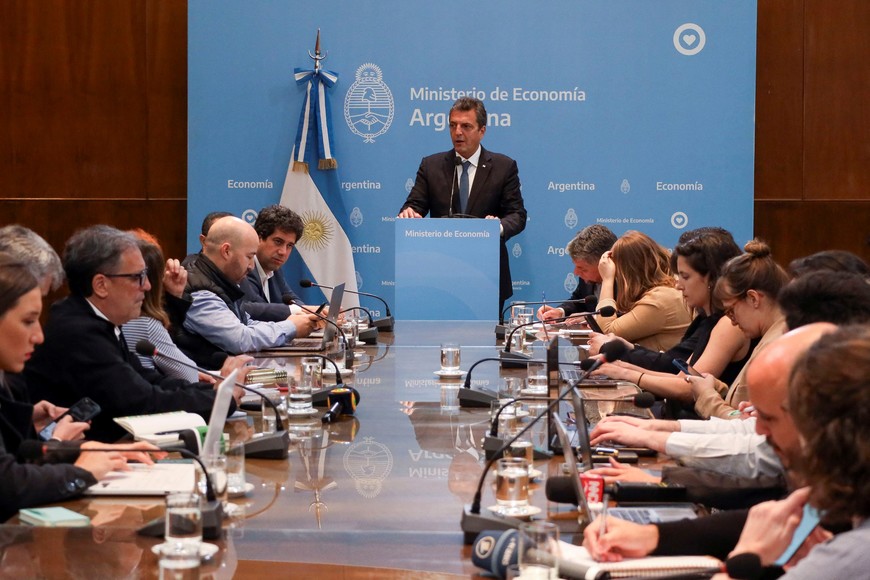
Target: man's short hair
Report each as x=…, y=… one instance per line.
x=91, y=251
x=471, y=104
x=28, y=247
x=278, y=217
x=590, y=243
x=211, y=218
x=829, y=260
x=826, y=296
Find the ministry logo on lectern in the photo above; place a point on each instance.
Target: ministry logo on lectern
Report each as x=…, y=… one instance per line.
x=368, y=106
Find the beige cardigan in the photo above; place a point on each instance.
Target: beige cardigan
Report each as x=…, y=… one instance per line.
x=712, y=404
x=657, y=321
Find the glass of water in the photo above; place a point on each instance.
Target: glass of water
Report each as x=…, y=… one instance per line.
x=512, y=485
x=537, y=379
x=310, y=380
x=450, y=358
x=183, y=520
x=539, y=551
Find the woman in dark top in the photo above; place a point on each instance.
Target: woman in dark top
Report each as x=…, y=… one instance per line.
x=24, y=485
x=711, y=344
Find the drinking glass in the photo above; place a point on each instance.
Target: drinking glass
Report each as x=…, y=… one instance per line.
x=236, y=469
x=512, y=485
x=539, y=552
x=537, y=378
x=299, y=393
x=450, y=358
x=183, y=520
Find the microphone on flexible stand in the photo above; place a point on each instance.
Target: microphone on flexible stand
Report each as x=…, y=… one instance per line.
x=480, y=397
x=263, y=445
x=473, y=521
x=386, y=324
x=368, y=335
x=348, y=353
x=500, y=329
x=212, y=510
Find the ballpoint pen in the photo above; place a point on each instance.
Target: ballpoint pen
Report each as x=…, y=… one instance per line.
x=602, y=529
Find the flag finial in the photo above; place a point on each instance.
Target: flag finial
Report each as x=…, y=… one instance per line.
x=317, y=56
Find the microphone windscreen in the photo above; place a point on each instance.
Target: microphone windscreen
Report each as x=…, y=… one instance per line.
x=287, y=299
x=591, y=299
x=613, y=351
x=495, y=551
x=560, y=489
x=145, y=347
x=305, y=283
x=744, y=566
x=587, y=364
x=607, y=311
x=644, y=400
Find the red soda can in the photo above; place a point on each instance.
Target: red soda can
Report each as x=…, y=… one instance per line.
x=593, y=487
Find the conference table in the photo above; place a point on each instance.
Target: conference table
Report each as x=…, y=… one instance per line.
x=376, y=495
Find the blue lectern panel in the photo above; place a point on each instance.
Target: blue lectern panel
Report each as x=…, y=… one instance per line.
x=447, y=269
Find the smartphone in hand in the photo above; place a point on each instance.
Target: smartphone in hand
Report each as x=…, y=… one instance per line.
x=83, y=410
x=686, y=367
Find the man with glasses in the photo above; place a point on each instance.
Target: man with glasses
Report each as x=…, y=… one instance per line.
x=85, y=354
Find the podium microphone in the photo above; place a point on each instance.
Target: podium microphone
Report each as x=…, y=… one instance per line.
x=481, y=397
x=385, y=323
x=457, y=161
x=263, y=446
x=212, y=511
x=370, y=334
x=473, y=521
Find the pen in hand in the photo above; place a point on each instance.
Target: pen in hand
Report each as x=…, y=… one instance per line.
x=602, y=528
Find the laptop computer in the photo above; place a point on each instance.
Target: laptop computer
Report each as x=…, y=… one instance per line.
x=310, y=344
x=653, y=513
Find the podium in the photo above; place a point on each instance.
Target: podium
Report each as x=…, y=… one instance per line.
x=447, y=269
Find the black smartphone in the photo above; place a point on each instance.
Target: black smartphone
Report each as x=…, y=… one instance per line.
x=83, y=410
x=686, y=367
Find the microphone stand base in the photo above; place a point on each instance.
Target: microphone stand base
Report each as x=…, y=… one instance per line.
x=369, y=335
x=473, y=524
x=268, y=446
x=499, y=331
x=513, y=360
x=492, y=444
x=212, y=520
x=476, y=397
x=385, y=324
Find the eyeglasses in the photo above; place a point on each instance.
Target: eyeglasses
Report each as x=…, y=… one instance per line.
x=138, y=276
x=729, y=310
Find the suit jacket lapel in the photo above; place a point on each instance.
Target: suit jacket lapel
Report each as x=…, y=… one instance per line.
x=481, y=174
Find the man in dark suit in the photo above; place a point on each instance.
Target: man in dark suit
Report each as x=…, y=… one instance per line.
x=585, y=250
x=471, y=181
x=84, y=353
x=279, y=229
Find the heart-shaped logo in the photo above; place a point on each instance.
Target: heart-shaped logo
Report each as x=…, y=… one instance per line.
x=689, y=39
x=679, y=219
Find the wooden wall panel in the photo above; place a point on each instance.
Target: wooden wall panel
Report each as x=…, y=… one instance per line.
x=779, y=100
x=837, y=100
x=166, y=57
x=75, y=92
x=799, y=228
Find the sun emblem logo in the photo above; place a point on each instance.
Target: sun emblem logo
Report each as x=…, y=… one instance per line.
x=318, y=231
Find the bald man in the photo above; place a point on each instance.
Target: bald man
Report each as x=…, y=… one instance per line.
x=216, y=322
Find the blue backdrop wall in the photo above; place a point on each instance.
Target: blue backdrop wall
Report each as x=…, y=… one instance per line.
x=630, y=113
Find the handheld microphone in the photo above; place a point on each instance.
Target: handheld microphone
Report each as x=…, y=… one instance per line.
x=341, y=401
x=212, y=511
x=385, y=323
x=265, y=445
x=472, y=520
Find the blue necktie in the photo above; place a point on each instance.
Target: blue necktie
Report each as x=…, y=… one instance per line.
x=463, y=187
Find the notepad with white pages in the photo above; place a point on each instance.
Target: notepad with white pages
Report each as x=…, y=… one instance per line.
x=653, y=566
